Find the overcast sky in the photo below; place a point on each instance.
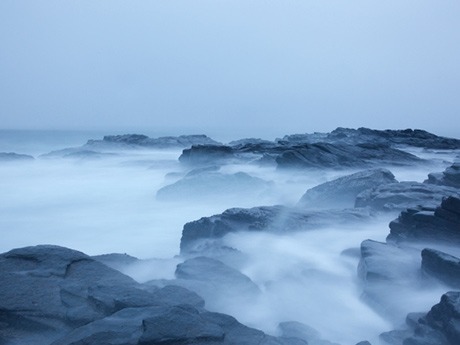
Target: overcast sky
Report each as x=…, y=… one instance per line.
x=241, y=66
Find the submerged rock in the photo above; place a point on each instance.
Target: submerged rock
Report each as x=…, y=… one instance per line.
x=343, y=191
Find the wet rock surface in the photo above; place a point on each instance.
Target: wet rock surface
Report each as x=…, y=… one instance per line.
x=441, y=266
x=450, y=177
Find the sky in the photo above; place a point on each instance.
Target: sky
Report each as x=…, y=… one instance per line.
x=241, y=67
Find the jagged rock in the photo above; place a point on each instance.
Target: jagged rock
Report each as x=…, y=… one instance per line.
x=213, y=184
x=53, y=288
x=403, y=195
x=343, y=191
x=441, y=266
x=279, y=219
x=441, y=224
x=440, y=326
x=450, y=177
x=14, y=157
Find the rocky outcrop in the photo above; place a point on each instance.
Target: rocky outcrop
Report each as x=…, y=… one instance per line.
x=339, y=156
x=112, y=143
x=54, y=295
x=277, y=219
x=403, y=195
x=14, y=157
x=450, y=177
x=298, y=330
x=440, y=224
x=437, y=327
x=198, y=186
x=342, y=192
x=441, y=266
x=406, y=137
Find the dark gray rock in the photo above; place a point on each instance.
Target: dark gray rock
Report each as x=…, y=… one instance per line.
x=199, y=186
x=442, y=266
x=206, y=155
x=450, y=177
x=403, y=195
x=339, y=156
x=176, y=325
x=14, y=157
x=343, y=191
x=48, y=290
x=216, y=273
x=298, y=330
x=365, y=342
x=249, y=141
x=278, y=219
x=116, y=260
x=440, y=224
x=440, y=326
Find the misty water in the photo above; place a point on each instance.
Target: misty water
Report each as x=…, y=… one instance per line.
x=109, y=205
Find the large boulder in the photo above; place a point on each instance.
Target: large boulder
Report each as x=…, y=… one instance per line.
x=440, y=224
x=342, y=192
x=277, y=219
x=403, y=195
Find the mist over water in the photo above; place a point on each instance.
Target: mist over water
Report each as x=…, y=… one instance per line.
x=109, y=205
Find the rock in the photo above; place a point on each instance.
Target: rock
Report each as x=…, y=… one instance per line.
x=167, y=325
x=388, y=273
x=278, y=219
x=343, y=191
x=450, y=177
x=441, y=224
x=50, y=289
x=365, y=342
x=339, y=156
x=206, y=155
x=440, y=326
x=199, y=186
x=403, y=195
x=110, y=143
x=298, y=330
x=116, y=260
x=385, y=262
x=14, y=157
x=220, y=285
x=249, y=141
x=214, y=272
x=442, y=266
